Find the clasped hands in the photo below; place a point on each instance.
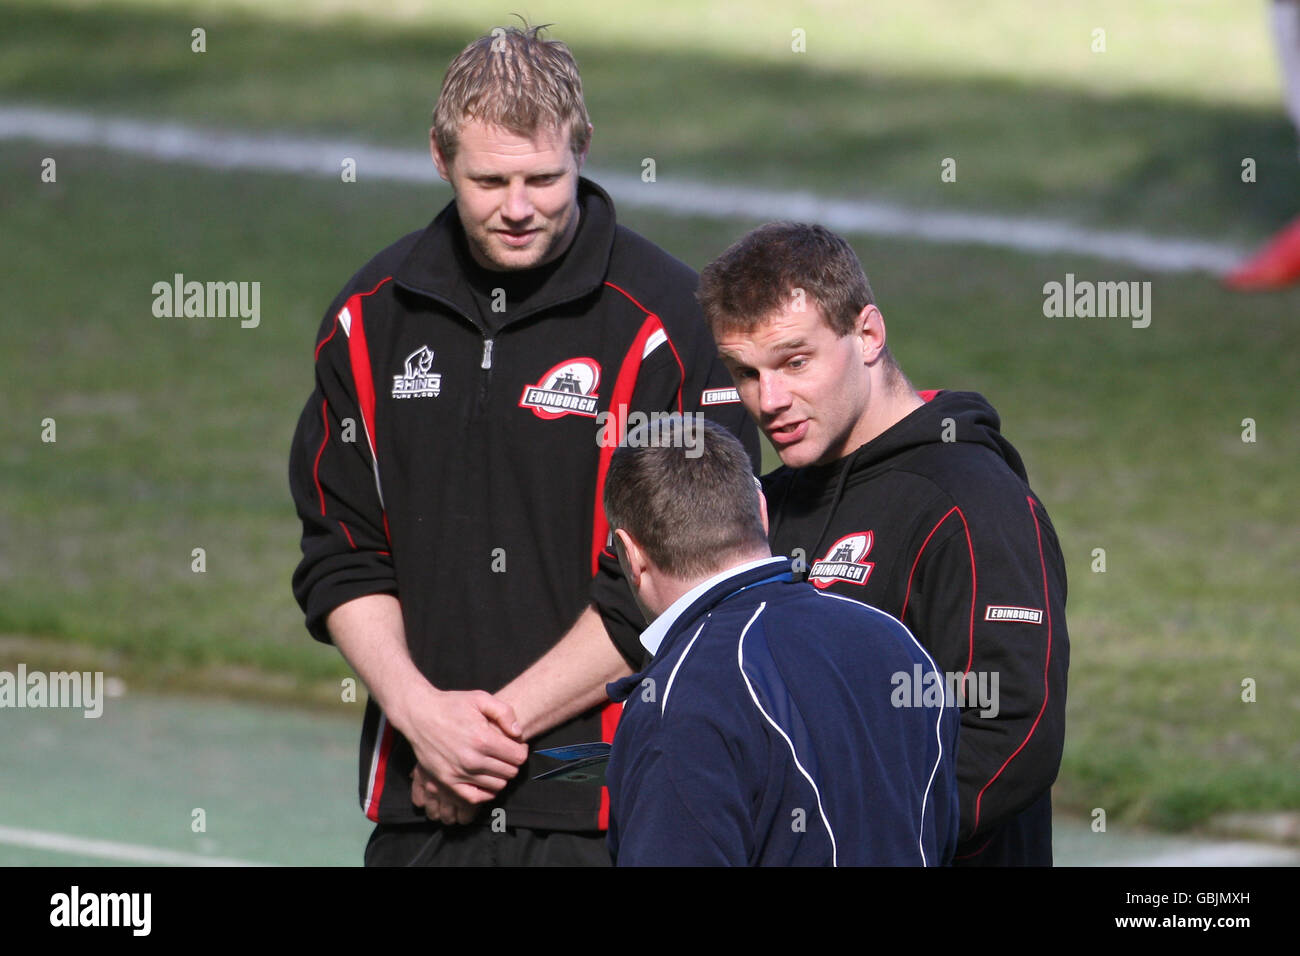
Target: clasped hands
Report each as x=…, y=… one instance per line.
x=468, y=745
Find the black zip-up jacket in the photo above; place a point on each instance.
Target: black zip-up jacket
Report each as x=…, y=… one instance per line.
x=934, y=522
x=462, y=470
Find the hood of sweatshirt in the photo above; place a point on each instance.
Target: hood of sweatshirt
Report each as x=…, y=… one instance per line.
x=944, y=418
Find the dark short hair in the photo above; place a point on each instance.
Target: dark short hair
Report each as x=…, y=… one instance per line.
x=694, y=514
x=778, y=264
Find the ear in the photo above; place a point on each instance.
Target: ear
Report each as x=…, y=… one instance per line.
x=444, y=168
x=586, y=149
x=870, y=327
x=630, y=556
x=762, y=509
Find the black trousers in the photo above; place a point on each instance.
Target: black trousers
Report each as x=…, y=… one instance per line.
x=432, y=844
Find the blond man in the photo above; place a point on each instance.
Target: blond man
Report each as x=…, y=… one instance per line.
x=449, y=467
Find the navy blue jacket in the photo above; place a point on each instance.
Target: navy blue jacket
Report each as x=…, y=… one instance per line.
x=772, y=728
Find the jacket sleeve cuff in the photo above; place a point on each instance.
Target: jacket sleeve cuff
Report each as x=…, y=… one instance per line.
x=623, y=619
x=323, y=601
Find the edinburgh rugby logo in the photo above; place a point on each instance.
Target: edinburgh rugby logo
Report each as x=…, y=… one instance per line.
x=844, y=561
x=417, y=381
x=567, y=389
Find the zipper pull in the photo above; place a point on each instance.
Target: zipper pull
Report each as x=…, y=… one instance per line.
x=487, y=354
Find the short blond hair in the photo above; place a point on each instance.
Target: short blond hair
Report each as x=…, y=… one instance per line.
x=514, y=79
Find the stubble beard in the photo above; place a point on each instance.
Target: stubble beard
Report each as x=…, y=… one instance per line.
x=484, y=242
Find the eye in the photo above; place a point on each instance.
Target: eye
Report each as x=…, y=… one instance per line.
x=797, y=363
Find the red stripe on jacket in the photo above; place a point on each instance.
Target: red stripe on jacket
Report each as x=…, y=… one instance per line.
x=364, y=380
x=1047, y=606
x=619, y=403
x=970, y=548
x=381, y=772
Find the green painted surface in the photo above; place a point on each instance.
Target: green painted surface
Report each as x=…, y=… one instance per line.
x=276, y=785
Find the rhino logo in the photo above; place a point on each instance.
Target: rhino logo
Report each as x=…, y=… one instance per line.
x=417, y=380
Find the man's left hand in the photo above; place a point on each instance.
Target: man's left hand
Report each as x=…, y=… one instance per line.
x=438, y=803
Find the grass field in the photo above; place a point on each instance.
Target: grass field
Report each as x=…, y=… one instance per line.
x=1036, y=121
x=172, y=434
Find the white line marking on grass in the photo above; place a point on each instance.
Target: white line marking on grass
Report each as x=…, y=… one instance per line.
x=110, y=850
x=217, y=149
x=1218, y=854
x=1038, y=236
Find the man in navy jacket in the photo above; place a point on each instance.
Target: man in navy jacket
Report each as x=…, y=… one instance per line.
x=776, y=724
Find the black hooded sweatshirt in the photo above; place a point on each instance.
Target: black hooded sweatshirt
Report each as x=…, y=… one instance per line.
x=457, y=458
x=934, y=522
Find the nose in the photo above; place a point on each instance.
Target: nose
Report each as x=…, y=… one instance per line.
x=773, y=397
x=518, y=206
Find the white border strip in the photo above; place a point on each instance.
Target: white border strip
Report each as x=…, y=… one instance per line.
x=663, y=704
x=740, y=663
x=938, y=722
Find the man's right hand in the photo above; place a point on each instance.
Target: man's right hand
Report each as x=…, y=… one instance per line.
x=468, y=741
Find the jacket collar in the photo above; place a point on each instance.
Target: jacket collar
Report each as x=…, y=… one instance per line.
x=583, y=267
x=682, y=614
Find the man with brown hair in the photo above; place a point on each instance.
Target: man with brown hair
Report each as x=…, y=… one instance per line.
x=911, y=502
x=449, y=467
